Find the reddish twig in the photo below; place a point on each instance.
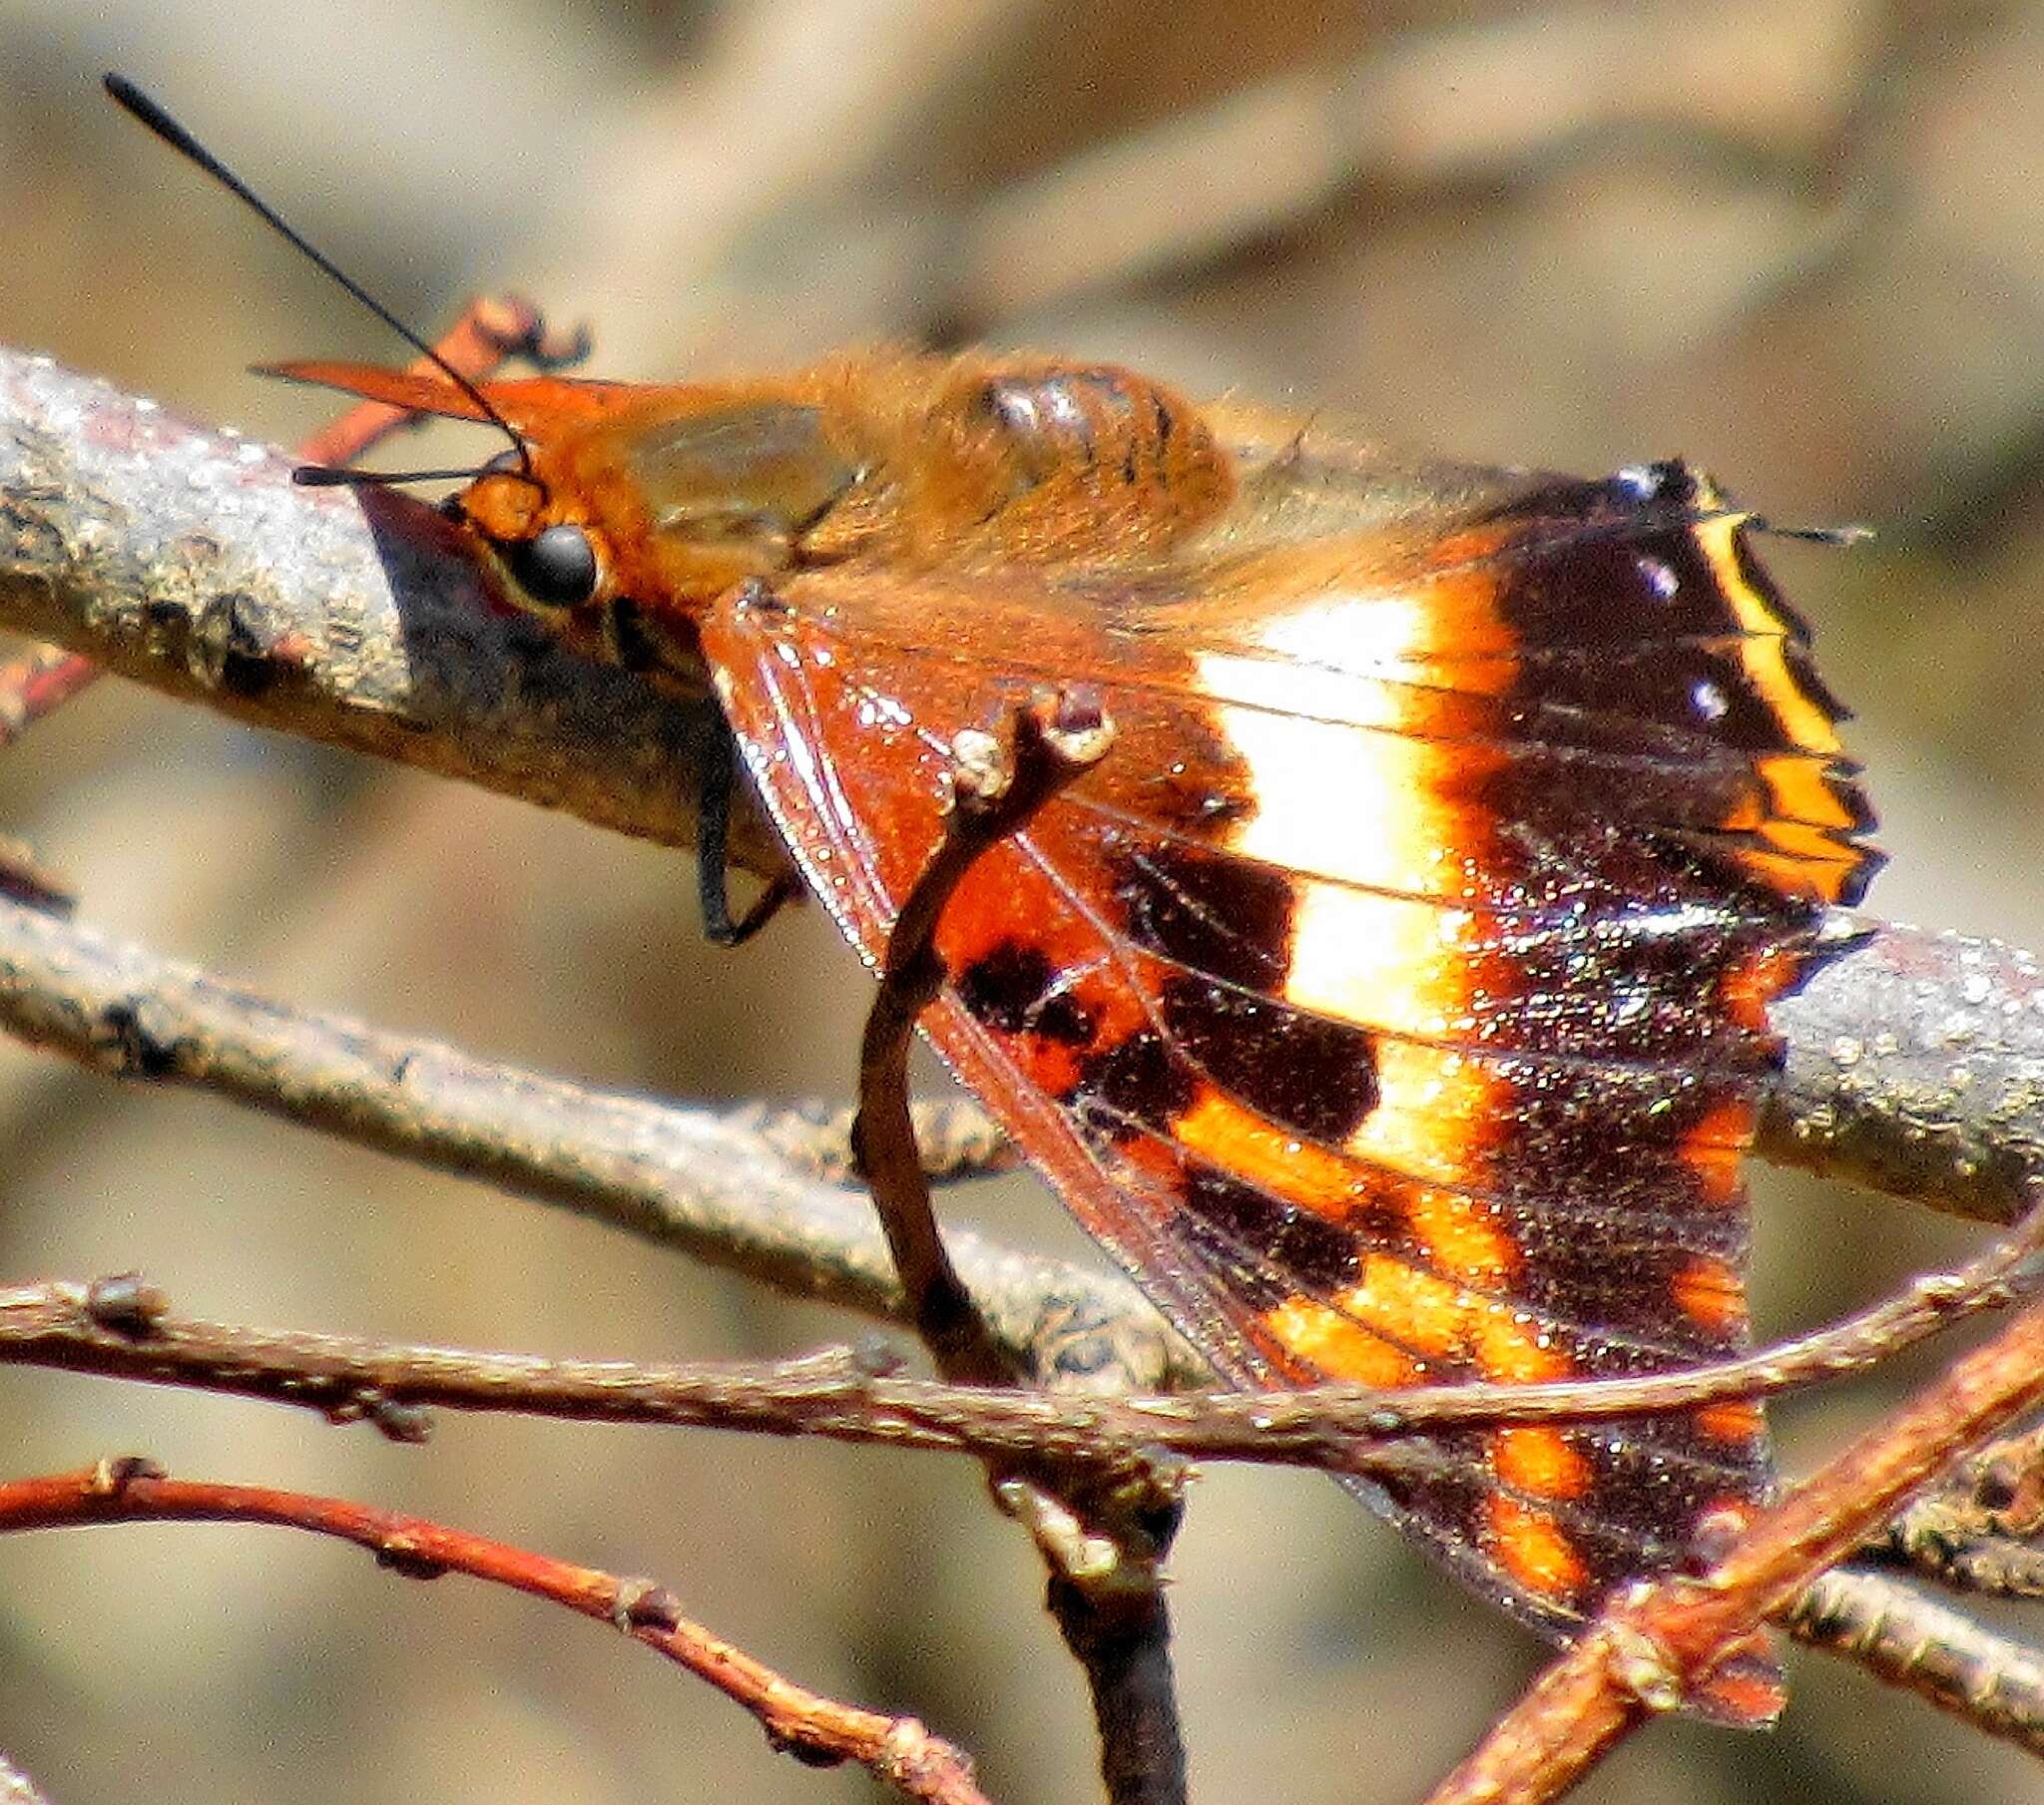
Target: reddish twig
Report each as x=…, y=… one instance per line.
x=818, y=1730
x=491, y=331
x=1651, y=1646
x=37, y=683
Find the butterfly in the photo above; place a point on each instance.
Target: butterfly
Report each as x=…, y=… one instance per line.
x=1392, y=1000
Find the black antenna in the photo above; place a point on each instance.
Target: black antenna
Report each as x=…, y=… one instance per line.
x=328, y=476
x=131, y=100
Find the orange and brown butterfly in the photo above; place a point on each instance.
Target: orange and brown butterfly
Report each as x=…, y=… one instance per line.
x=1392, y=1000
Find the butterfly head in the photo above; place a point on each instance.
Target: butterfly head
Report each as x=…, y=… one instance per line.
x=621, y=512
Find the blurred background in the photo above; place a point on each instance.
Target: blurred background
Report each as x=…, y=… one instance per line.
x=1800, y=241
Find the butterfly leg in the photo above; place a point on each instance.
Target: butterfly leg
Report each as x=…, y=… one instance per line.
x=717, y=772
x=996, y=788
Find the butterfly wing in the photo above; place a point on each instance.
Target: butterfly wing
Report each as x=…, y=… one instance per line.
x=1391, y=1000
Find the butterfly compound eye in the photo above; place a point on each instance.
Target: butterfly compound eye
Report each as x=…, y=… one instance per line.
x=557, y=568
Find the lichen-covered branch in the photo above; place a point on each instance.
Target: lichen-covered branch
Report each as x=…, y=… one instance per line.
x=1957, y=1664
x=187, y=560
x=1916, y=1068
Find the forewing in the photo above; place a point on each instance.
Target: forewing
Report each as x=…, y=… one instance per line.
x=1390, y=1001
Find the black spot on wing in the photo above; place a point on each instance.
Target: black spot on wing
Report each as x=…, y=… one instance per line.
x=1223, y=916
x=1314, y=1256
x=1134, y=1085
x=1315, y=1076
x=1012, y=988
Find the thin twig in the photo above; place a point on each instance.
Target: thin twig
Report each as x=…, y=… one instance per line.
x=123, y=1328
x=1959, y=1665
x=995, y=789
x=1650, y=1646
x=38, y=683
x=815, y=1729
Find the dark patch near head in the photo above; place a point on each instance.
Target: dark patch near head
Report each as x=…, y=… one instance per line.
x=1135, y=1081
x=1316, y=1256
x=1306, y=1073
x=1222, y=916
x=1010, y=988
x=231, y=646
x=625, y=631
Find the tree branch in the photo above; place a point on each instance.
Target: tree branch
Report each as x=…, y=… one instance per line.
x=692, y=1180
x=187, y=560
x=1915, y=1067
x=1960, y=1666
x=812, y=1728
